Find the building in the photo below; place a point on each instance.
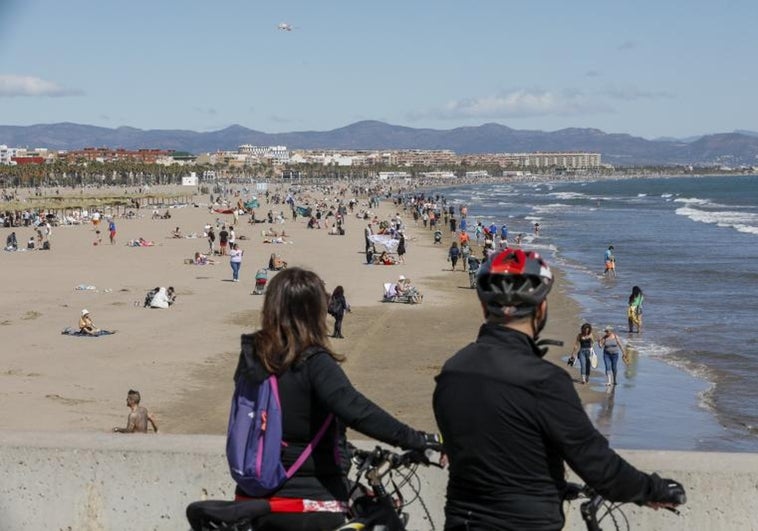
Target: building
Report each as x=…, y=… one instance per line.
x=7, y=154
x=568, y=160
x=277, y=154
x=104, y=154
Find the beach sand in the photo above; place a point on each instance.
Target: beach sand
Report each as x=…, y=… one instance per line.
x=182, y=359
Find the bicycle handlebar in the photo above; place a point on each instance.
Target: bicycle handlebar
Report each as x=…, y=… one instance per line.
x=379, y=457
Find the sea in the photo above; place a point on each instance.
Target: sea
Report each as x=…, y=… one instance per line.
x=691, y=245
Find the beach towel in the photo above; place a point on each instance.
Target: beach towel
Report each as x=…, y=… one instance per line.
x=223, y=210
x=386, y=240
x=68, y=331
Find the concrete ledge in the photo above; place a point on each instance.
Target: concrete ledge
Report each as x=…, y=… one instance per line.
x=121, y=482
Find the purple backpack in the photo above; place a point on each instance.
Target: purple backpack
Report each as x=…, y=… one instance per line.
x=254, y=439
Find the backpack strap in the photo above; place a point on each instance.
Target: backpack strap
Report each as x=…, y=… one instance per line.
x=311, y=445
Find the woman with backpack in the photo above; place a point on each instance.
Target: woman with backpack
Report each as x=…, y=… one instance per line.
x=337, y=307
x=317, y=404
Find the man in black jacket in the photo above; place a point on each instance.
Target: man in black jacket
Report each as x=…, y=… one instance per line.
x=510, y=419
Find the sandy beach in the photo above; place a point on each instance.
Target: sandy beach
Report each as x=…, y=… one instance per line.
x=181, y=359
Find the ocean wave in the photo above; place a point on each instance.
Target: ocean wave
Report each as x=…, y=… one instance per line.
x=567, y=195
x=746, y=222
x=552, y=207
x=666, y=196
x=693, y=200
x=641, y=195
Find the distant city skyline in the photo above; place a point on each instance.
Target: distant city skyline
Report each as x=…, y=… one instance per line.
x=652, y=69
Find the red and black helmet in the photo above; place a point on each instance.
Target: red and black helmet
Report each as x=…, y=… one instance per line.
x=513, y=282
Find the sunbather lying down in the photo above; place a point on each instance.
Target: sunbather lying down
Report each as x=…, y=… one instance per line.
x=202, y=259
x=276, y=240
x=275, y=263
x=386, y=259
x=140, y=242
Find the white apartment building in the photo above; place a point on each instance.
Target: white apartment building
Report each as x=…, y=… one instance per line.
x=279, y=154
x=7, y=154
x=477, y=174
x=573, y=160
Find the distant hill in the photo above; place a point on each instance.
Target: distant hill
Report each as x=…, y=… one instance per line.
x=620, y=149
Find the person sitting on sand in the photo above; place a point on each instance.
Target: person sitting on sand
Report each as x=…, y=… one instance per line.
x=85, y=324
x=177, y=233
x=11, y=243
x=403, y=285
x=386, y=259
x=275, y=263
x=139, y=417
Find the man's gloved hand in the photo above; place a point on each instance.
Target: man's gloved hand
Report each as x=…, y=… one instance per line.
x=666, y=492
x=432, y=441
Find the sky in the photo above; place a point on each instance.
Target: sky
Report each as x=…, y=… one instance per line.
x=662, y=68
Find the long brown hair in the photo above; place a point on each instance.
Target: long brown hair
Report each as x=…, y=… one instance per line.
x=293, y=318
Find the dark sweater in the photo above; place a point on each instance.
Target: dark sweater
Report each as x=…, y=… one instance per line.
x=309, y=391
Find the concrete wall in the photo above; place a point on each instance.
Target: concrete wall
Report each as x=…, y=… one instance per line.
x=131, y=482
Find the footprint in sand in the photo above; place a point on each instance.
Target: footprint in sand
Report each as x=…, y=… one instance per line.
x=68, y=401
x=30, y=315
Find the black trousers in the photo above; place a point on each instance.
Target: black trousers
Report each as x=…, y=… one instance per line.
x=337, y=327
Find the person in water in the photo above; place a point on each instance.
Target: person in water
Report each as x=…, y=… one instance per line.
x=634, y=311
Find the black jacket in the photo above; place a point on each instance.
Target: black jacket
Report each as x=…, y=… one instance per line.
x=509, y=421
x=309, y=391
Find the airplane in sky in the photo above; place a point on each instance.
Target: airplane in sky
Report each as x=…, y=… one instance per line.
x=285, y=27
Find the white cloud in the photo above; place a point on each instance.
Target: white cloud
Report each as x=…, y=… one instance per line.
x=518, y=104
x=12, y=86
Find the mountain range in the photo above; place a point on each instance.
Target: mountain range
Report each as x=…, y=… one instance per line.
x=732, y=149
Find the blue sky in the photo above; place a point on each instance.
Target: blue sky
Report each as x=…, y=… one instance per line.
x=648, y=68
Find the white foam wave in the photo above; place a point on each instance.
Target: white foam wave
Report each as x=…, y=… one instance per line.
x=641, y=195
x=746, y=222
x=692, y=200
x=553, y=207
x=667, y=195
x=567, y=195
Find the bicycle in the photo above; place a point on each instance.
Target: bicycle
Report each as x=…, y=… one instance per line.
x=595, y=503
x=376, y=501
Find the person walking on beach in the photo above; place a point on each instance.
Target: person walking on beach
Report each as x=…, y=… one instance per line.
x=453, y=254
x=235, y=260
x=583, y=349
x=112, y=231
x=612, y=347
x=610, y=262
x=401, y=248
x=211, y=240
x=634, y=311
x=223, y=239
x=337, y=307
x=139, y=417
